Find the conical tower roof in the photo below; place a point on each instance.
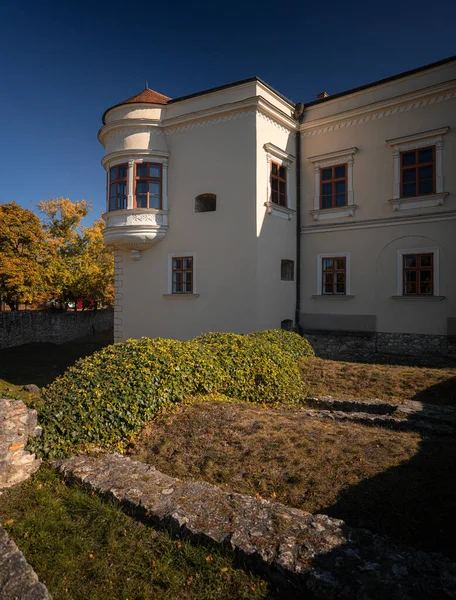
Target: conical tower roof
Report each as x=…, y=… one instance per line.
x=147, y=96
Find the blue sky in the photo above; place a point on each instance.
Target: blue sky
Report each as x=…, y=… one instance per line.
x=63, y=63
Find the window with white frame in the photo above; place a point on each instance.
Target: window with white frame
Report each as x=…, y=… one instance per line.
x=279, y=196
x=333, y=275
x=418, y=170
x=333, y=184
x=138, y=184
x=418, y=272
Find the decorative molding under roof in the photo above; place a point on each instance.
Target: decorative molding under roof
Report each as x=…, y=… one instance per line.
x=385, y=108
x=398, y=219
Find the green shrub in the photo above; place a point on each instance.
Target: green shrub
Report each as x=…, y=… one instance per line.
x=105, y=399
x=256, y=370
x=293, y=344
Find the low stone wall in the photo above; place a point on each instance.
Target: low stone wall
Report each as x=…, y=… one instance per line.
x=27, y=326
x=17, y=423
x=412, y=344
x=337, y=344
x=309, y=555
x=17, y=578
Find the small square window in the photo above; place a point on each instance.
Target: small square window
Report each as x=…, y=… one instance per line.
x=287, y=270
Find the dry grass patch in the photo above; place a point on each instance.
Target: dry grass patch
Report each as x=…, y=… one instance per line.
x=388, y=382
x=391, y=482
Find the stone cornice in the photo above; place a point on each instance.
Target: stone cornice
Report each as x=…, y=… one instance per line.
x=129, y=126
x=125, y=155
x=382, y=222
x=333, y=157
x=385, y=108
x=228, y=112
x=278, y=152
x=202, y=118
x=432, y=135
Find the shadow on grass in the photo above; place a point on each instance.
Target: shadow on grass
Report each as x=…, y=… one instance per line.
x=412, y=503
x=434, y=394
x=40, y=363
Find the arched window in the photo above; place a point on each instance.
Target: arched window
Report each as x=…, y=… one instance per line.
x=205, y=203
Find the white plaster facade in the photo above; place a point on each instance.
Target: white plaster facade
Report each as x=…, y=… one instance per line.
x=223, y=142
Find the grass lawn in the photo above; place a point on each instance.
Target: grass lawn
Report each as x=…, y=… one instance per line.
x=85, y=548
x=388, y=382
x=395, y=483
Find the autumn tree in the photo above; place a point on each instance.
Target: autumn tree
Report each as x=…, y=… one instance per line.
x=82, y=267
x=24, y=256
x=94, y=281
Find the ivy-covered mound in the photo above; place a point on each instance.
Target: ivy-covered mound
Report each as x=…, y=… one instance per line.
x=292, y=344
x=105, y=399
x=257, y=370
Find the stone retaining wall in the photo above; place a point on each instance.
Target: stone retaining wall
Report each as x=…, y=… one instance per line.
x=27, y=326
x=337, y=344
x=17, y=578
x=309, y=555
x=17, y=423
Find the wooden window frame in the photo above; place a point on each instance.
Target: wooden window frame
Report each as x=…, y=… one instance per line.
x=333, y=181
x=334, y=273
x=280, y=180
x=116, y=181
x=418, y=270
x=416, y=167
x=182, y=270
x=148, y=178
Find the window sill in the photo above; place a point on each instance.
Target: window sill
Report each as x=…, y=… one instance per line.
x=188, y=296
x=332, y=297
x=279, y=211
x=420, y=298
x=339, y=212
x=418, y=201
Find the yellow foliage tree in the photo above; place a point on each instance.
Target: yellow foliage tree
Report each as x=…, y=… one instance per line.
x=24, y=257
x=82, y=266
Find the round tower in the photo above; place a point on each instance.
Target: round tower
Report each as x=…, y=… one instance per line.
x=136, y=163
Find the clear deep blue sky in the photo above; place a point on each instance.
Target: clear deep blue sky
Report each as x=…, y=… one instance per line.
x=63, y=63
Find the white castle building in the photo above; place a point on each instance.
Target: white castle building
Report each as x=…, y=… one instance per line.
x=233, y=209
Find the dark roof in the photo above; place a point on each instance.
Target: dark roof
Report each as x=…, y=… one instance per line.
x=152, y=97
x=229, y=85
x=149, y=96
x=380, y=81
